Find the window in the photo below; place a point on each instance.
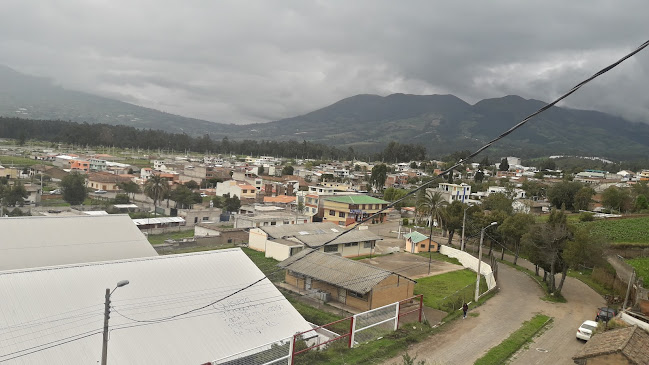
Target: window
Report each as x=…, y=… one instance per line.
x=356, y=295
x=206, y=219
x=423, y=245
x=244, y=191
x=351, y=244
x=331, y=248
x=273, y=223
x=312, y=210
x=368, y=244
x=332, y=213
x=363, y=206
x=341, y=214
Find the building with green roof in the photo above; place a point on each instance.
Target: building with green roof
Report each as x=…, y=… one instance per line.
x=345, y=210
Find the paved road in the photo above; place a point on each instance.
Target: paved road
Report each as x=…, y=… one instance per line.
x=464, y=341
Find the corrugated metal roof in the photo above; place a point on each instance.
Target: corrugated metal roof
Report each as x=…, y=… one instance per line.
x=336, y=270
x=352, y=236
x=415, y=237
x=45, y=241
x=288, y=230
x=44, y=305
x=160, y=220
x=355, y=199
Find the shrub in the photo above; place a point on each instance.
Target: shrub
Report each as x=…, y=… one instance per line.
x=405, y=221
x=586, y=217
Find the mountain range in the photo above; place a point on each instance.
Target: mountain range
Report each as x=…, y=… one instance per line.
x=442, y=123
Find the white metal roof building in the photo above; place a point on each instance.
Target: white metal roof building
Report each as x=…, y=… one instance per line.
x=46, y=241
x=48, y=306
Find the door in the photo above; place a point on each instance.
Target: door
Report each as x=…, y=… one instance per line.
x=307, y=283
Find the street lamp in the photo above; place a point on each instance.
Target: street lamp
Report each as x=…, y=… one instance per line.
x=462, y=245
x=477, y=283
x=104, y=349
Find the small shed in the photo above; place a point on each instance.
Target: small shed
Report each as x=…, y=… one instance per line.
x=352, y=283
x=417, y=242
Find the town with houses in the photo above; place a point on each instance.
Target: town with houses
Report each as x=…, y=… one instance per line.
x=338, y=256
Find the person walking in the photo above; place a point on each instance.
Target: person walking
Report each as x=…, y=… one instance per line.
x=465, y=308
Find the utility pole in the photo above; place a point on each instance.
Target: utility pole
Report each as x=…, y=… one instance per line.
x=463, y=224
x=477, y=282
x=104, y=349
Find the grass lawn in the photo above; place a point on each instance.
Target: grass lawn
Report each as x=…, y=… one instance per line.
x=315, y=315
x=529, y=329
x=448, y=291
x=439, y=257
x=641, y=266
x=138, y=162
x=267, y=265
x=372, y=352
x=156, y=239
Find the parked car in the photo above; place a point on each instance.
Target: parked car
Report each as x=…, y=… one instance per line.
x=55, y=191
x=203, y=195
x=605, y=314
x=100, y=191
x=586, y=330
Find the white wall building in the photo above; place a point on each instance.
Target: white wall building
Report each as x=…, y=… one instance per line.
x=453, y=192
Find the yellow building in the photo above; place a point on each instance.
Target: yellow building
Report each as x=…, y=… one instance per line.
x=349, y=209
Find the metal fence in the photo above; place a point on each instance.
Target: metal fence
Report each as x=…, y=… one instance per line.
x=343, y=334
x=359, y=328
x=274, y=353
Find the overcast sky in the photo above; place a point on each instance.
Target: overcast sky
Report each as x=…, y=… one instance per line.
x=257, y=61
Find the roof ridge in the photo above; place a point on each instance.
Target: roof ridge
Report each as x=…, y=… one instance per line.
x=626, y=342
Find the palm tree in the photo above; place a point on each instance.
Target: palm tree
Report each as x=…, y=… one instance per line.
x=156, y=188
x=431, y=204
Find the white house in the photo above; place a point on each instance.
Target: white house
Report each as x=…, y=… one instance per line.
x=453, y=192
x=176, y=309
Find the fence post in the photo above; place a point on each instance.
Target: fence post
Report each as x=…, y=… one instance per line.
x=396, y=322
x=292, y=350
x=351, y=331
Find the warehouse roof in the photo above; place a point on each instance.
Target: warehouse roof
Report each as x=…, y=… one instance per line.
x=336, y=270
x=45, y=241
x=352, y=236
x=47, y=305
x=158, y=220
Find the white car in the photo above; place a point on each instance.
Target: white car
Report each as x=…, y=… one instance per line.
x=586, y=330
x=100, y=191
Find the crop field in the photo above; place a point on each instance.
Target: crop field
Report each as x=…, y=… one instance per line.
x=641, y=266
x=632, y=230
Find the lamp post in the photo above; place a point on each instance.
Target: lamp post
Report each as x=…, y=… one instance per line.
x=104, y=348
x=477, y=282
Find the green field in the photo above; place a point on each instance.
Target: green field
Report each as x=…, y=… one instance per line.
x=627, y=230
x=15, y=161
x=641, y=266
x=448, y=291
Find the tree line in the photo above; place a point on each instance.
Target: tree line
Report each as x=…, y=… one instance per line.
x=122, y=136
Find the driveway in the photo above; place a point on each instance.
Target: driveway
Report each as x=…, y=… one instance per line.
x=465, y=340
x=411, y=266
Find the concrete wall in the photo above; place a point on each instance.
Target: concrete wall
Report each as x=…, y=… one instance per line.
x=634, y=321
x=294, y=280
x=257, y=239
x=277, y=251
x=470, y=262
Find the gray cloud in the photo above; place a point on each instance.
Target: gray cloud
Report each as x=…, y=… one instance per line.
x=242, y=62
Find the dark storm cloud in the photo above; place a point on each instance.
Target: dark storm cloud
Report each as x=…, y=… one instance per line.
x=257, y=61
